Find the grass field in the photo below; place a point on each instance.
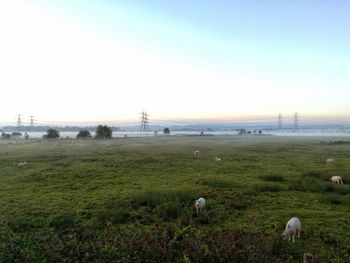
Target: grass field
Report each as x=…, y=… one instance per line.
x=131, y=200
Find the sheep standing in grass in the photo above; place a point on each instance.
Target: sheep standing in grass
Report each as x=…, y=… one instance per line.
x=329, y=162
x=200, y=204
x=293, y=228
x=24, y=164
x=336, y=180
x=195, y=153
x=218, y=159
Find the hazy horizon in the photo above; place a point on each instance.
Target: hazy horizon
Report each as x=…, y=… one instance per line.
x=287, y=121
x=198, y=61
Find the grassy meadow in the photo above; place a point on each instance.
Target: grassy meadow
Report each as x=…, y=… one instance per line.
x=132, y=200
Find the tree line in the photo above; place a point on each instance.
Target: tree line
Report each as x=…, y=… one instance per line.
x=102, y=132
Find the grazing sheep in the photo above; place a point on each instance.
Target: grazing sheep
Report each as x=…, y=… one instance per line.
x=200, y=204
x=24, y=164
x=336, y=180
x=293, y=228
x=308, y=258
x=329, y=162
x=218, y=159
x=196, y=153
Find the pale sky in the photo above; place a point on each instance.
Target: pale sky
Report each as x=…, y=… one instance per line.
x=81, y=61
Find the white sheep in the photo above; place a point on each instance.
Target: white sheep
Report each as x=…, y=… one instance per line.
x=196, y=153
x=329, y=162
x=200, y=204
x=336, y=180
x=24, y=164
x=293, y=228
x=218, y=159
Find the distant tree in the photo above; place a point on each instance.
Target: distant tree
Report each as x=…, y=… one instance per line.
x=51, y=134
x=5, y=135
x=242, y=131
x=83, y=134
x=16, y=134
x=166, y=131
x=103, y=132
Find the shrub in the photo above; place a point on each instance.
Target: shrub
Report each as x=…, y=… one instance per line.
x=51, y=134
x=16, y=134
x=166, y=131
x=5, y=135
x=103, y=132
x=83, y=134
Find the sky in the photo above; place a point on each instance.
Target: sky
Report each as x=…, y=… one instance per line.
x=78, y=61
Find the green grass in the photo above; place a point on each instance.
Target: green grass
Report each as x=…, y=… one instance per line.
x=127, y=200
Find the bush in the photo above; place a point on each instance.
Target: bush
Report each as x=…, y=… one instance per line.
x=5, y=135
x=166, y=131
x=51, y=134
x=83, y=134
x=103, y=132
x=16, y=134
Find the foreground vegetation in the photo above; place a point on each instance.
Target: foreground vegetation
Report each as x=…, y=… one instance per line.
x=131, y=200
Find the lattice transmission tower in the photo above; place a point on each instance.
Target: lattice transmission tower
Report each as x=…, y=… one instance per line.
x=280, y=121
x=19, y=122
x=32, y=121
x=144, y=121
x=296, y=120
